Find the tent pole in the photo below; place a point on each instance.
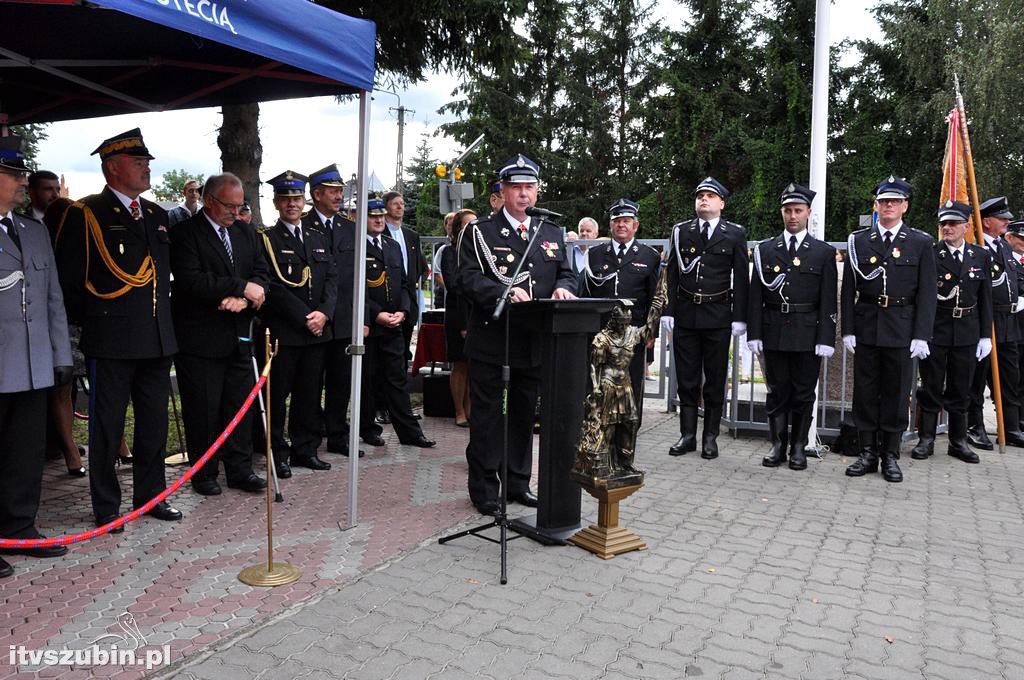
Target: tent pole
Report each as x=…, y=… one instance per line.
x=357, y=347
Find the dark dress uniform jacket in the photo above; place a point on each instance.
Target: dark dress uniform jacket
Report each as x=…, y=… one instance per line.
x=204, y=275
x=1005, y=294
x=972, y=276
x=722, y=266
x=386, y=286
x=123, y=327
x=810, y=286
x=287, y=306
x=493, y=237
x=910, y=270
x=637, y=276
x=343, y=240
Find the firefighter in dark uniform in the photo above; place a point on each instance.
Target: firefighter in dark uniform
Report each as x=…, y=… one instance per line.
x=301, y=301
x=489, y=252
x=1015, y=237
x=326, y=188
x=707, y=291
x=113, y=256
x=624, y=269
x=963, y=324
x=388, y=304
x=888, y=312
x=1007, y=282
x=792, y=320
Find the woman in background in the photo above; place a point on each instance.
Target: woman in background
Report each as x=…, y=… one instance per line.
x=455, y=315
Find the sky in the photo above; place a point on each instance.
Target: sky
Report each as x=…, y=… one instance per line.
x=306, y=134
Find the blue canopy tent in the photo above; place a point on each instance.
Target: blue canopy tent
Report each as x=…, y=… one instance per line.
x=68, y=59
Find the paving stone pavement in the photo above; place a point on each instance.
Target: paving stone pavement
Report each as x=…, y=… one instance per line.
x=750, y=573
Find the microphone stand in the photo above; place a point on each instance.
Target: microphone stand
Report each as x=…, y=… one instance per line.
x=501, y=519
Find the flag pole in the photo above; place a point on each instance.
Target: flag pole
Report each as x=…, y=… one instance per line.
x=997, y=392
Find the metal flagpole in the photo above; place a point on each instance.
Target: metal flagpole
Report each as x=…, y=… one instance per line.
x=819, y=150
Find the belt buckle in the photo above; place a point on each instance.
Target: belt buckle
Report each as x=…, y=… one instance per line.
x=697, y=297
x=958, y=312
x=883, y=301
x=784, y=308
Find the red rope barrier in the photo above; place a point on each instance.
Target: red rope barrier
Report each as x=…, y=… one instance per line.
x=162, y=496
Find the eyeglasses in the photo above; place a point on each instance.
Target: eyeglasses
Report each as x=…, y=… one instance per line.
x=230, y=207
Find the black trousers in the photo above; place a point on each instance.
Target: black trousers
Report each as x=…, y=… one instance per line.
x=385, y=380
x=946, y=377
x=296, y=373
x=486, y=431
x=881, y=388
x=112, y=382
x=791, y=378
x=1008, y=377
x=337, y=393
x=212, y=390
x=697, y=353
x=22, y=454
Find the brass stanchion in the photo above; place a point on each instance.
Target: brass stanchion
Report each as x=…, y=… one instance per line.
x=272, y=573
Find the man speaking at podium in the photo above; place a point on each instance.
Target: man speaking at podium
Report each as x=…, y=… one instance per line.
x=489, y=253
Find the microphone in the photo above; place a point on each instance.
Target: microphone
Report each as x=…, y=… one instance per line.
x=534, y=211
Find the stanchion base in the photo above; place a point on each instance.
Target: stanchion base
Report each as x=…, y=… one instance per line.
x=281, y=574
x=606, y=539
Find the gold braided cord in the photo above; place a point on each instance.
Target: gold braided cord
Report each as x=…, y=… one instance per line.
x=377, y=282
x=94, y=233
x=273, y=261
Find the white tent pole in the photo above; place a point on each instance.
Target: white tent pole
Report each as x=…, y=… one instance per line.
x=819, y=144
x=358, y=298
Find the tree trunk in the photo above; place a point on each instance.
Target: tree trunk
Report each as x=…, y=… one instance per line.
x=241, y=151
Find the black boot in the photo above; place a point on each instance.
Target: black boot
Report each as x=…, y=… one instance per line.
x=868, y=461
x=958, y=447
x=284, y=471
x=709, y=444
x=688, y=427
x=801, y=420
x=1013, y=435
x=925, y=436
x=778, y=434
x=976, y=434
x=890, y=454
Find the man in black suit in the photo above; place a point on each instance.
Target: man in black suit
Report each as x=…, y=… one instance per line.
x=326, y=189
x=888, y=315
x=414, y=261
x=220, y=280
x=303, y=296
x=113, y=255
x=387, y=306
x=623, y=269
x=962, y=334
x=707, y=296
x=489, y=250
x=792, y=320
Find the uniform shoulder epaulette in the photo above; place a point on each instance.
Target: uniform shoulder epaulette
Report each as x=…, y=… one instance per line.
x=680, y=226
x=263, y=230
x=923, y=233
x=305, y=213
x=861, y=230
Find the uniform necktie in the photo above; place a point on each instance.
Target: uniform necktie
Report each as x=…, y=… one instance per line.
x=227, y=243
x=330, y=224
x=956, y=256
x=622, y=252
x=136, y=210
x=522, y=232
x=298, y=233
x=376, y=241
x=792, y=246
x=888, y=241
x=705, y=232
x=11, y=231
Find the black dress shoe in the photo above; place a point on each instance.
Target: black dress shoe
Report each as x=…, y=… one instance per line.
x=373, y=439
x=206, y=487
x=421, y=442
x=487, y=508
x=250, y=483
x=282, y=469
x=362, y=454
x=311, y=462
x=979, y=438
x=527, y=498
x=383, y=417
x=165, y=512
x=101, y=521
x=50, y=551
x=5, y=569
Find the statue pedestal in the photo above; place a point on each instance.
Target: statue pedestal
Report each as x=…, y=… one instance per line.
x=606, y=539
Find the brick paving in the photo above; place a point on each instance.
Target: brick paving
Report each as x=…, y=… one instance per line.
x=751, y=573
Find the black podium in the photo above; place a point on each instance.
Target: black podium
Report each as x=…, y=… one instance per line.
x=566, y=327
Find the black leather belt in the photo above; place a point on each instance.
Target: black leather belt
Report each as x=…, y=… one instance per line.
x=1006, y=309
x=957, y=312
x=701, y=298
x=885, y=301
x=791, y=307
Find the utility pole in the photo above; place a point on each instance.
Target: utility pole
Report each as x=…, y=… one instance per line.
x=400, y=162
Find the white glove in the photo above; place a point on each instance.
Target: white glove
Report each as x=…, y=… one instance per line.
x=1020, y=304
x=738, y=328
x=984, y=348
x=828, y=350
x=668, y=323
x=850, y=342
x=919, y=349
x=755, y=346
